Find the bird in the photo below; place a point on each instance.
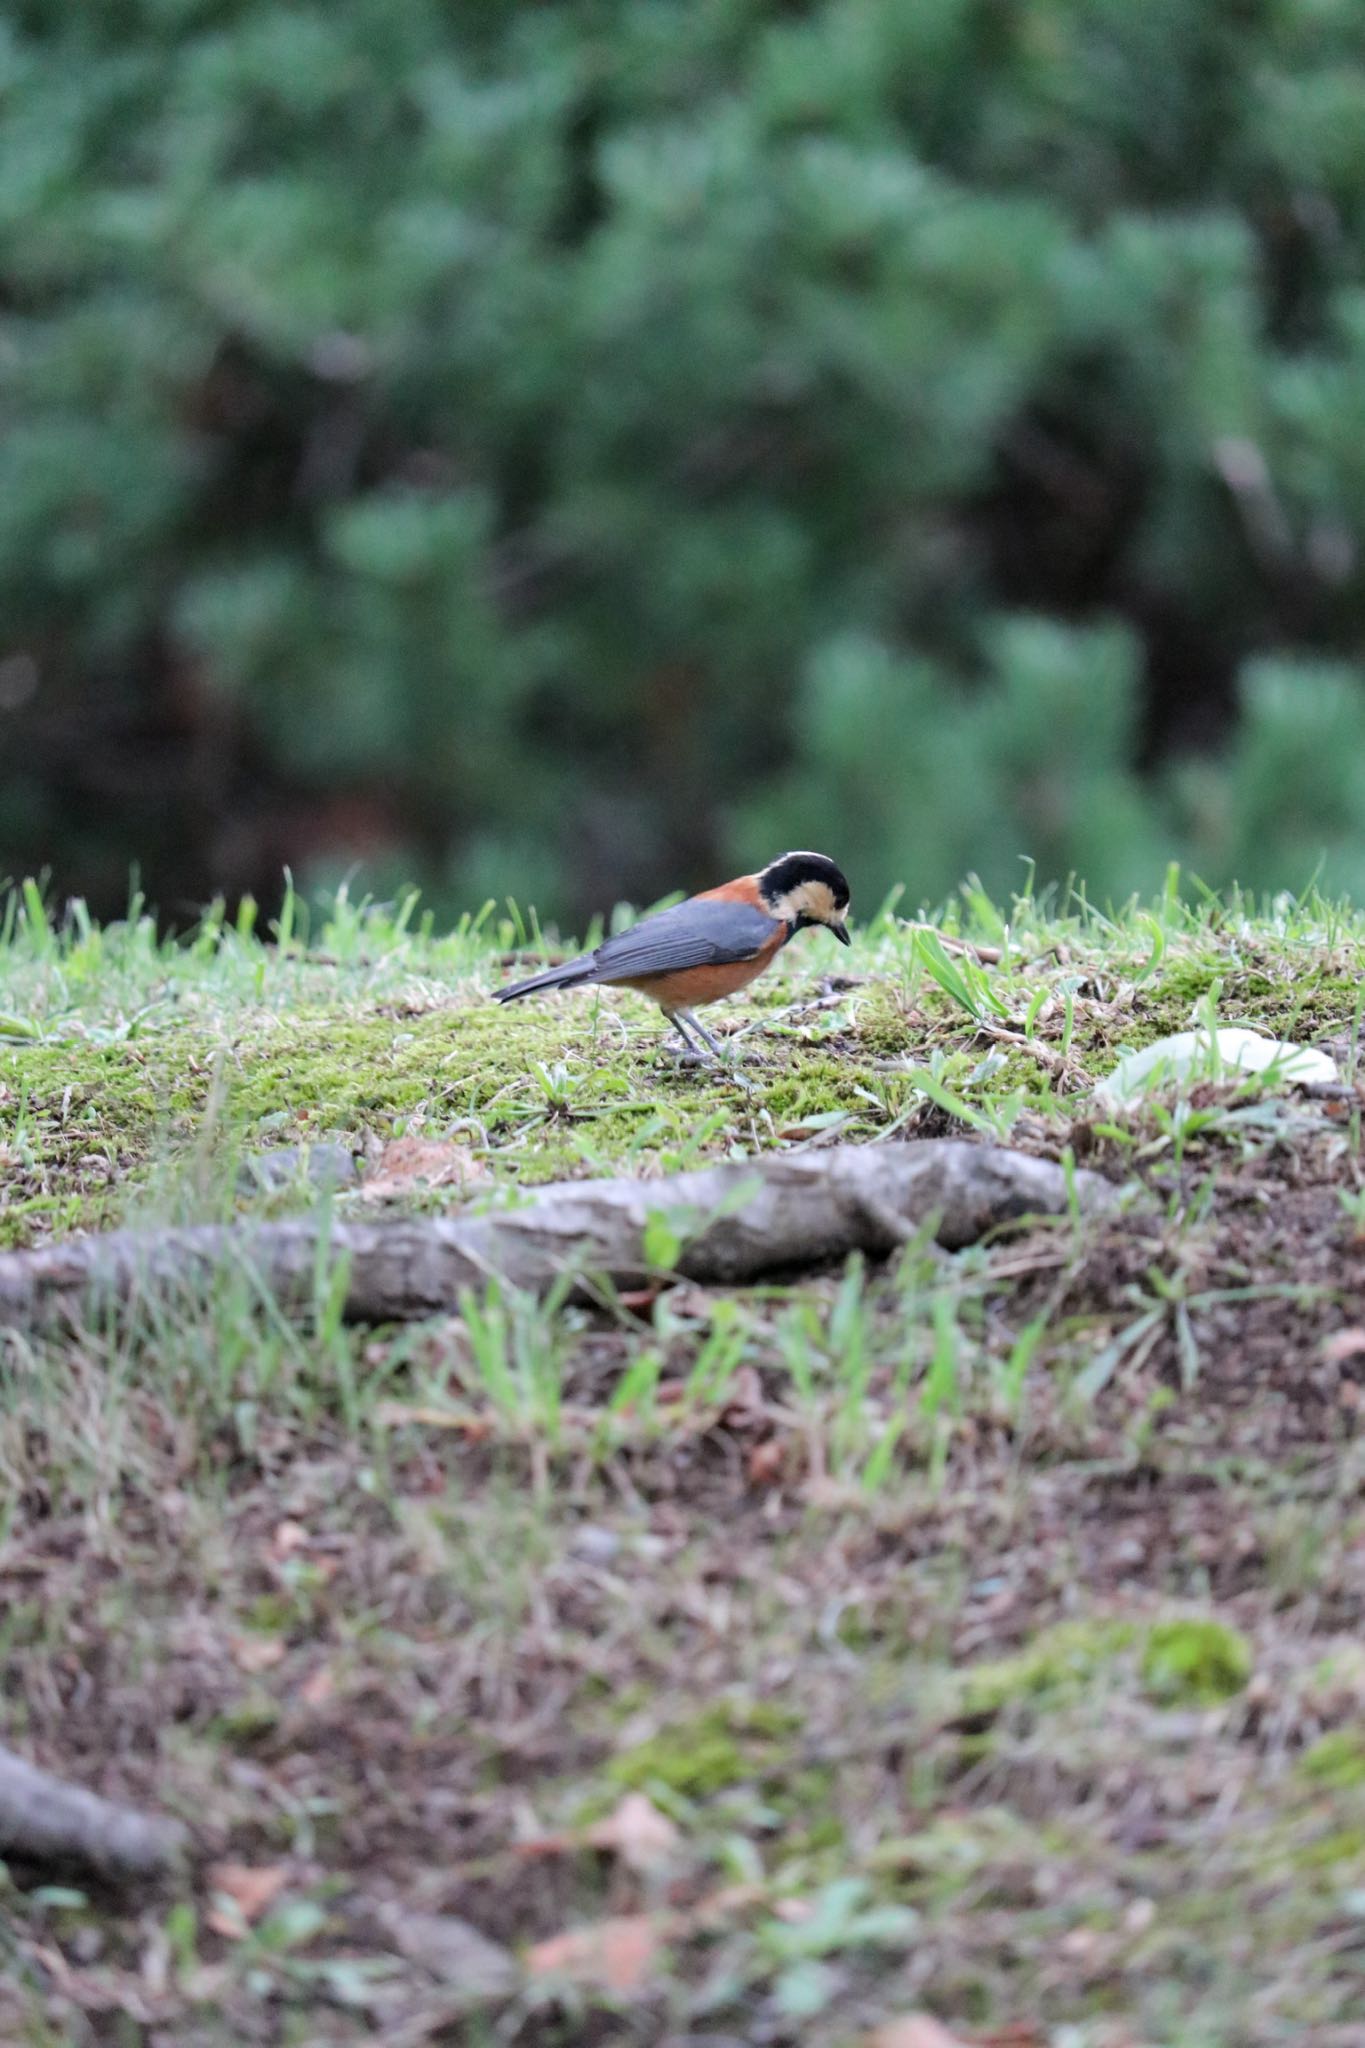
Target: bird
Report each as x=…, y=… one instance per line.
x=709, y=946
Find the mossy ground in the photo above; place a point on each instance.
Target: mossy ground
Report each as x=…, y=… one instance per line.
x=985, y=1629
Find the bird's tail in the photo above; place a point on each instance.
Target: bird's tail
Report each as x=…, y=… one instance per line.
x=570, y=975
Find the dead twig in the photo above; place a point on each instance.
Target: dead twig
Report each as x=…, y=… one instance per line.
x=736, y=1223
x=1047, y=1056
x=51, y=1821
x=985, y=956
x=988, y=956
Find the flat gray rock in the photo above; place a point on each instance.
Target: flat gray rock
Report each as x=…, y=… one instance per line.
x=451, y=1950
x=317, y=1166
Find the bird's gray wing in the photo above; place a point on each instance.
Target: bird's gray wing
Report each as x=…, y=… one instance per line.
x=699, y=933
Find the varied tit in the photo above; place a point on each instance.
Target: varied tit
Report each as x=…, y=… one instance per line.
x=711, y=945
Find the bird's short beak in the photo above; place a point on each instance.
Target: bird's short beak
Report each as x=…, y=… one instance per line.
x=840, y=931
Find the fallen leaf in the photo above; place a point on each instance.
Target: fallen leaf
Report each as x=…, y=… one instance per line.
x=55, y=1964
x=643, y=1838
x=915, y=2030
x=715, y=1908
x=243, y=1890
x=766, y=1462
x=535, y=1847
x=318, y=1688
x=745, y=1407
x=205, y=1984
x=690, y=1301
x=408, y=1164
x=616, y=1955
x=1343, y=1346
x=288, y=1538
x=257, y=1653
x=638, y=1298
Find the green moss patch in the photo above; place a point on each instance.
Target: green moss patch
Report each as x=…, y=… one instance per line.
x=722, y=1746
x=1195, y=1662
x=1336, y=1761
x=1059, y=1662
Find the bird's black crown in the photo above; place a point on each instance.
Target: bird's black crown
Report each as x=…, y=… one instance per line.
x=789, y=870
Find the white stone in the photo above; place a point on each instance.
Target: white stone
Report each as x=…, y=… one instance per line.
x=1230, y=1051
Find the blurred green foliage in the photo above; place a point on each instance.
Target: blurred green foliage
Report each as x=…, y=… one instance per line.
x=581, y=448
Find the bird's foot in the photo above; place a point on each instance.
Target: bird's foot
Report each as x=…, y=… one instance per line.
x=696, y=1059
x=689, y=1056
x=700, y=1049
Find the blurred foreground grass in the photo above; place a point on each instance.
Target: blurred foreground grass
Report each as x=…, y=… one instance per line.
x=982, y=1632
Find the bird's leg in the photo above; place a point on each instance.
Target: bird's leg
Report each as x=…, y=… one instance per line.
x=700, y=1029
x=697, y=1052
